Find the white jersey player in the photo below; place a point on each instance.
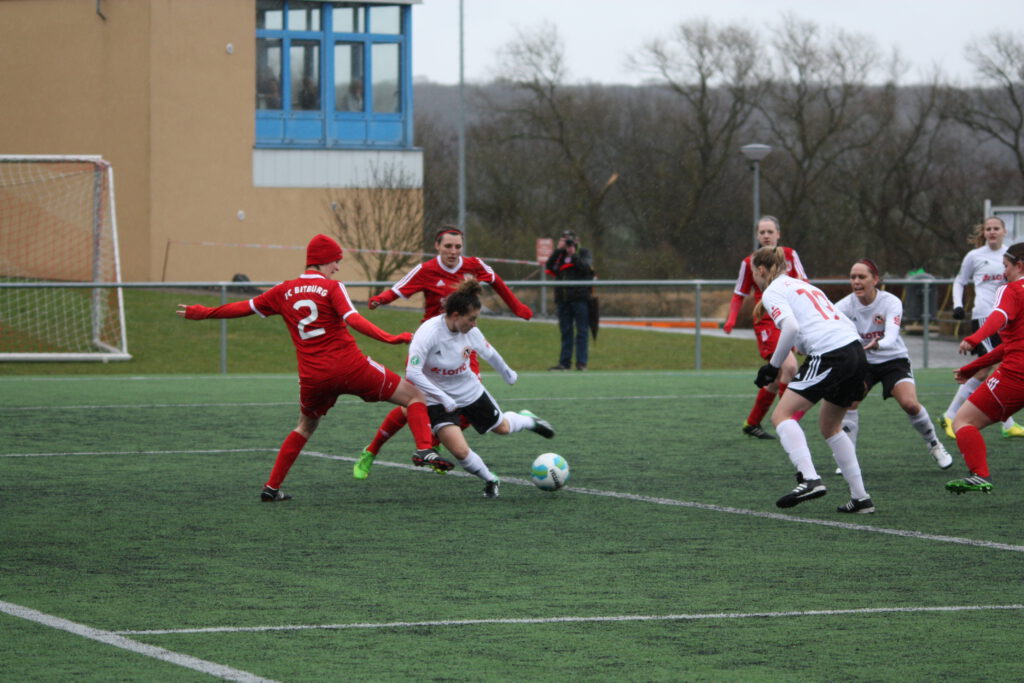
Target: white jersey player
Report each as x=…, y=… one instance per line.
x=982, y=267
x=877, y=316
x=833, y=373
x=439, y=364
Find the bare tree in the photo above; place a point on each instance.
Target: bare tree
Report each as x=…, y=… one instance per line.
x=381, y=225
x=563, y=118
x=818, y=109
x=715, y=71
x=996, y=112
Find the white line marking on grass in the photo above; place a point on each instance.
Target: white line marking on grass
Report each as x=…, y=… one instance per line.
x=581, y=620
x=597, y=492
x=212, y=451
x=118, y=640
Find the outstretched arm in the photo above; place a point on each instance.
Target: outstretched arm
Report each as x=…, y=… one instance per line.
x=514, y=304
x=385, y=297
x=236, y=309
x=361, y=324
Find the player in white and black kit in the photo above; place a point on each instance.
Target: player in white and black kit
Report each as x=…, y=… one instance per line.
x=983, y=268
x=832, y=372
x=877, y=315
x=439, y=365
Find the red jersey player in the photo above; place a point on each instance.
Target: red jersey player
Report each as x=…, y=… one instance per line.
x=318, y=313
x=768, y=234
x=1002, y=394
x=436, y=279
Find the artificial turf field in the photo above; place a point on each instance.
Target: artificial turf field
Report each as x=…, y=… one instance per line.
x=134, y=546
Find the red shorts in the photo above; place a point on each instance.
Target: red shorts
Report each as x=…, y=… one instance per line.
x=999, y=396
x=370, y=381
x=767, y=337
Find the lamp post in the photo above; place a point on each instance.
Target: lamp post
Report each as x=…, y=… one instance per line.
x=755, y=153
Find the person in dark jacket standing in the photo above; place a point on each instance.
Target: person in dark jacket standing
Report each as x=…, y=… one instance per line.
x=572, y=262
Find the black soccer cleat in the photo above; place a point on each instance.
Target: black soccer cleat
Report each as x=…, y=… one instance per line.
x=491, y=489
x=805, y=490
x=428, y=457
x=271, y=495
x=864, y=506
x=756, y=432
x=542, y=427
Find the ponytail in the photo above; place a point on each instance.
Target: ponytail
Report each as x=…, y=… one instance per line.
x=774, y=260
x=465, y=298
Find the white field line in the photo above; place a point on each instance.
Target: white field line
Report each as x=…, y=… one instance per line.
x=118, y=640
x=581, y=620
x=592, y=492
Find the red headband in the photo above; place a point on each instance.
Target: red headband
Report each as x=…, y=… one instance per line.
x=871, y=266
x=447, y=230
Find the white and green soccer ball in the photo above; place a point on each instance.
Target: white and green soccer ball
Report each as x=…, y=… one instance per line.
x=550, y=471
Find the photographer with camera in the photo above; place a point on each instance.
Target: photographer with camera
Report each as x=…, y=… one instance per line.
x=570, y=261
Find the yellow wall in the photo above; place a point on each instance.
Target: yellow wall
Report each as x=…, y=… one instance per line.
x=155, y=90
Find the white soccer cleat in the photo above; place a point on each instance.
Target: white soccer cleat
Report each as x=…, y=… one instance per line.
x=942, y=457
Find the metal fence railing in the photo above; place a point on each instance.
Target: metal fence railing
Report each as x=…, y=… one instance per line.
x=651, y=300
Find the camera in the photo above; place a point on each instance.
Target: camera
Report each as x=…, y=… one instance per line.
x=570, y=242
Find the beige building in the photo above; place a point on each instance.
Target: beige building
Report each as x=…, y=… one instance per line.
x=225, y=121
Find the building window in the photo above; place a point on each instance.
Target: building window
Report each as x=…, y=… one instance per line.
x=333, y=75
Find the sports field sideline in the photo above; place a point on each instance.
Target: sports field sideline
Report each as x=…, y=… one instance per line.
x=130, y=516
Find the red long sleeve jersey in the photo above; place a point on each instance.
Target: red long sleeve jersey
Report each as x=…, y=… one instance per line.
x=745, y=282
x=314, y=308
x=1010, y=300
x=436, y=282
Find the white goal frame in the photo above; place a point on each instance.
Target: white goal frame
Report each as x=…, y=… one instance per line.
x=104, y=218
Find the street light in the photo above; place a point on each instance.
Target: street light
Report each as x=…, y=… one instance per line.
x=755, y=153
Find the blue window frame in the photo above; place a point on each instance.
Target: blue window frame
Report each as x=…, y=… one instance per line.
x=333, y=75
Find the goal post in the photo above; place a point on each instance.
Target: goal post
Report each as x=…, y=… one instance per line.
x=58, y=230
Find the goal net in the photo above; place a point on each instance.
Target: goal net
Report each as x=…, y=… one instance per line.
x=58, y=242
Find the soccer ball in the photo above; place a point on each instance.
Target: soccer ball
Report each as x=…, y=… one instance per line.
x=550, y=471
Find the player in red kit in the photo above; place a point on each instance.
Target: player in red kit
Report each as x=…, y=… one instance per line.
x=768, y=234
x=1002, y=394
x=436, y=279
x=318, y=313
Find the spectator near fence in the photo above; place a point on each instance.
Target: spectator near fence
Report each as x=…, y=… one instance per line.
x=983, y=269
x=572, y=262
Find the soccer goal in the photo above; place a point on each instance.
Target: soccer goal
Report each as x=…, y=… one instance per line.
x=58, y=231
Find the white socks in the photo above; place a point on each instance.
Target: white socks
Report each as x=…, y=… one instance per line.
x=474, y=464
x=922, y=422
x=965, y=390
x=517, y=422
x=795, y=443
x=846, y=457
x=851, y=424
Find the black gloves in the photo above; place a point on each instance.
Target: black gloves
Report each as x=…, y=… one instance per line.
x=958, y=313
x=766, y=374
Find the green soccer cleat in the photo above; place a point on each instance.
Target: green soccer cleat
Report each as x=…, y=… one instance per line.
x=1015, y=431
x=361, y=470
x=968, y=484
x=947, y=426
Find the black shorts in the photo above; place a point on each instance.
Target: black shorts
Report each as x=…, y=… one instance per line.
x=483, y=413
x=890, y=373
x=837, y=376
x=986, y=344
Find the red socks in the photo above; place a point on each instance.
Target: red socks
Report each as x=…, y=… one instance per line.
x=394, y=421
x=972, y=444
x=290, y=450
x=761, y=405
x=419, y=425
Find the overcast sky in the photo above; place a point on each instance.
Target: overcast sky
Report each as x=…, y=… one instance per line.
x=599, y=34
